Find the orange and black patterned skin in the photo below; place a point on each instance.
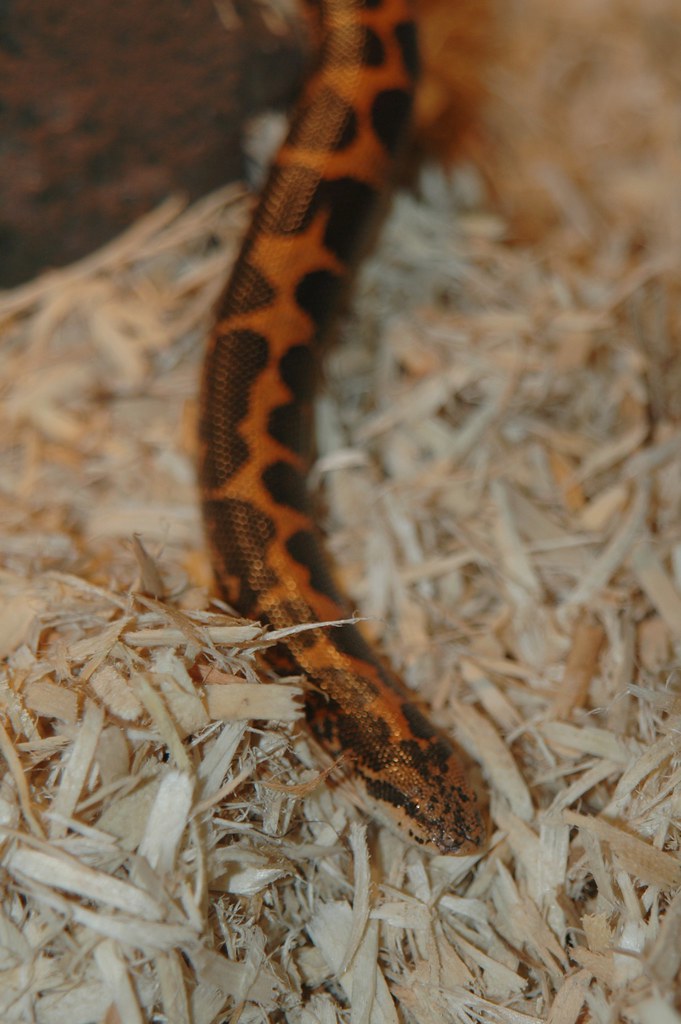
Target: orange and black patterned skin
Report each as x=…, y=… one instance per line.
x=256, y=420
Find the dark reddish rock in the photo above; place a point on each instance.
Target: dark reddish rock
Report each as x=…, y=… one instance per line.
x=108, y=107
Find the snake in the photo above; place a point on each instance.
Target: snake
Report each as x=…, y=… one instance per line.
x=256, y=421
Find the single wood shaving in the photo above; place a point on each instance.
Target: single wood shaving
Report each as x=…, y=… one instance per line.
x=638, y=857
x=330, y=930
x=580, y=667
x=497, y=759
x=68, y=875
x=166, y=821
x=589, y=740
x=115, y=975
x=360, y=908
x=657, y=585
x=250, y=701
x=52, y=701
x=77, y=768
x=602, y=569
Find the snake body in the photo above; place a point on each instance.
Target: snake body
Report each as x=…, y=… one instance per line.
x=255, y=420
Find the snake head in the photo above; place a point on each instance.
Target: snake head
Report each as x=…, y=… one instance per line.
x=426, y=794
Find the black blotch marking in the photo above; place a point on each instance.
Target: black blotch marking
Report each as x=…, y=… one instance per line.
x=305, y=549
x=291, y=426
x=385, y=792
x=418, y=723
x=416, y=756
x=349, y=202
x=454, y=796
x=290, y=201
x=348, y=640
x=352, y=46
x=233, y=364
x=368, y=737
x=347, y=689
x=248, y=290
x=405, y=34
x=373, y=50
x=428, y=757
x=248, y=532
x=286, y=485
x=290, y=613
x=280, y=659
x=328, y=123
x=441, y=752
x=317, y=294
x=297, y=370
x=291, y=423
x=320, y=713
x=389, y=115
x=215, y=471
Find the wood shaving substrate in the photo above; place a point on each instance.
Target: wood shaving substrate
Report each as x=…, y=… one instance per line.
x=501, y=475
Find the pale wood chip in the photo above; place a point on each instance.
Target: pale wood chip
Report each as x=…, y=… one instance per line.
x=246, y=701
x=497, y=759
x=170, y=969
x=598, y=965
x=115, y=693
x=17, y=772
x=600, y=511
x=115, y=974
x=521, y=578
x=655, y=1010
x=649, y=760
x=579, y=669
x=637, y=857
x=17, y=621
x=524, y=924
x=612, y=557
x=330, y=930
x=654, y=644
x=361, y=903
x=657, y=585
x=66, y=874
x=665, y=955
x=589, y=740
x=167, y=821
x=219, y=757
x=77, y=768
x=611, y=454
x=52, y=701
x=227, y=636
x=94, y=650
x=133, y=931
x=597, y=932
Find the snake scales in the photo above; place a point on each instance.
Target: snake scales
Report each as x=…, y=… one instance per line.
x=255, y=420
